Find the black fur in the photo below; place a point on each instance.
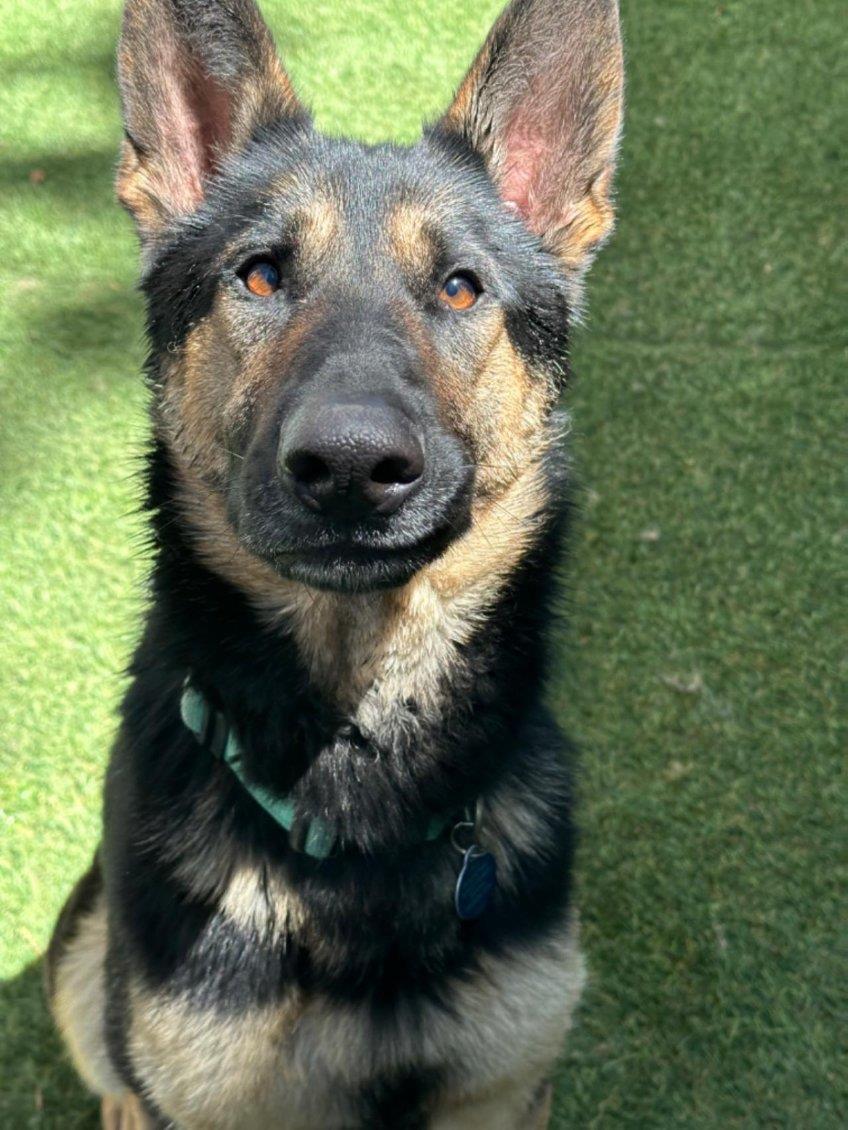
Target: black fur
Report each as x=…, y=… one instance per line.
x=335, y=404
x=167, y=798
x=495, y=729
x=205, y=256
x=400, y=1102
x=381, y=929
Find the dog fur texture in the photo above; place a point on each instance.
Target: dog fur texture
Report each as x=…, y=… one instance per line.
x=205, y=975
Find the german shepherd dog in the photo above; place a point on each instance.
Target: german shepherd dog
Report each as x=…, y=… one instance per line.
x=333, y=886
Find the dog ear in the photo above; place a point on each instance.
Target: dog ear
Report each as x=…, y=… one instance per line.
x=197, y=77
x=542, y=104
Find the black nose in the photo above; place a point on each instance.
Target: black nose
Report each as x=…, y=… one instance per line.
x=352, y=458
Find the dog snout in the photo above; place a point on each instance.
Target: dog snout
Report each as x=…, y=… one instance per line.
x=350, y=459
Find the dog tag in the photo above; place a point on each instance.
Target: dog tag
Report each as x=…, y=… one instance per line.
x=476, y=883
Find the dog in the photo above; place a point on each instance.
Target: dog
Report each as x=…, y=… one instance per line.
x=333, y=888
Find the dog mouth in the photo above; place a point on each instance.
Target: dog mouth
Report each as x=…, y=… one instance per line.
x=350, y=565
x=343, y=519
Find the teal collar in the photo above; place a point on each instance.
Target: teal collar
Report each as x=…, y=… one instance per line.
x=312, y=837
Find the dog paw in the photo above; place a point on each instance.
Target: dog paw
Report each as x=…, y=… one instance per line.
x=123, y=1112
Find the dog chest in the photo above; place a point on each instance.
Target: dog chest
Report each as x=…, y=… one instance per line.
x=311, y=1061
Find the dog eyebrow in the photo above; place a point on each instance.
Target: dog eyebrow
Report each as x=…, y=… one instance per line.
x=319, y=225
x=314, y=221
x=413, y=239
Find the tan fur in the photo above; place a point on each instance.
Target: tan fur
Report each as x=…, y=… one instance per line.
x=301, y=1063
x=79, y=999
x=260, y=903
x=214, y=869
x=463, y=108
x=195, y=398
x=209, y=1071
x=409, y=238
x=124, y=1112
x=376, y=652
x=225, y=1071
x=319, y=225
x=489, y=395
x=589, y=223
x=138, y=192
x=217, y=381
x=372, y=653
x=509, y=1106
x=307, y=1057
x=264, y=96
x=507, y=410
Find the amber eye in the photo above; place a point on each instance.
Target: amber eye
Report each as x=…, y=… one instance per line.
x=460, y=292
x=262, y=278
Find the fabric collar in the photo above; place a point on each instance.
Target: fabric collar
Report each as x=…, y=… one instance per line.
x=312, y=837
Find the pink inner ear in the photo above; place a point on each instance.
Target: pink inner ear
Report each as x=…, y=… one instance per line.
x=195, y=125
x=211, y=110
x=524, y=154
x=525, y=157
x=538, y=148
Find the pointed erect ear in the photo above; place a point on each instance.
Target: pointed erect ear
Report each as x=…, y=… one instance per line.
x=542, y=103
x=197, y=77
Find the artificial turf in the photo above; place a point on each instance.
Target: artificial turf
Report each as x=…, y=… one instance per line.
x=701, y=672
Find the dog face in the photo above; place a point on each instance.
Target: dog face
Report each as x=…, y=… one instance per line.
x=356, y=350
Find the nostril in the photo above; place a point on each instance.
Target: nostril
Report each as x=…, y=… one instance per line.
x=396, y=469
x=350, y=460
x=308, y=469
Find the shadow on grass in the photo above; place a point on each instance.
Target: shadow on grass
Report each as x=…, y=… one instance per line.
x=38, y=1086
x=102, y=328
x=95, y=56
x=83, y=177
x=87, y=346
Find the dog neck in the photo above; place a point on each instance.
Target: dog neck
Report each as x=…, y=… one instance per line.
x=382, y=658
x=380, y=707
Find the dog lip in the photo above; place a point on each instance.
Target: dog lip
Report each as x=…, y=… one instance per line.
x=345, y=566
x=354, y=557
x=321, y=543
x=350, y=549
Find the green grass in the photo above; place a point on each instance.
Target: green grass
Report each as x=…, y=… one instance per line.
x=701, y=673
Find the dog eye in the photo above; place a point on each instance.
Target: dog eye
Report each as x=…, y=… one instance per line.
x=460, y=292
x=261, y=277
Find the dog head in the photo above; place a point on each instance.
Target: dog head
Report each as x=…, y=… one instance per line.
x=356, y=349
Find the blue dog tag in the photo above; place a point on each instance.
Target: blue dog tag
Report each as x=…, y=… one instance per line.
x=476, y=883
